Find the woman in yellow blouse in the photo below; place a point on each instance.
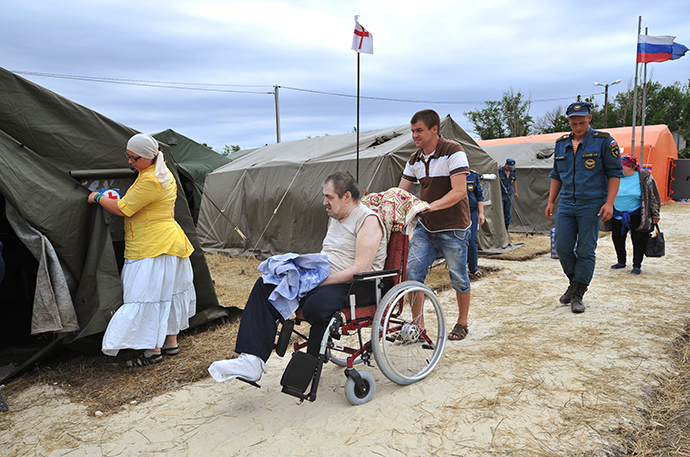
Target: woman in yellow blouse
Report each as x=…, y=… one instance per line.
x=157, y=277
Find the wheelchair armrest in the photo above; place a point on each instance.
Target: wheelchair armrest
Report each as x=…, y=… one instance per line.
x=368, y=276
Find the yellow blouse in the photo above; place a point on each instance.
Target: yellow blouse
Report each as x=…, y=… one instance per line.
x=150, y=226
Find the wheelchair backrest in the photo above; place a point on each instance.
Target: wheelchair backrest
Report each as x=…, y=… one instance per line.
x=396, y=258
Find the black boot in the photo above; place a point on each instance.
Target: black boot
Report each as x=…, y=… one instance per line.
x=578, y=292
x=565, y=298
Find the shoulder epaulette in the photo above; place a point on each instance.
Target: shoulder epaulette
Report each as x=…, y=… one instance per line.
x=598, y=134
x=564, y=137
x=474, y=171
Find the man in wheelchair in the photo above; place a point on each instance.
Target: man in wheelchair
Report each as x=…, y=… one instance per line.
x=355, y=243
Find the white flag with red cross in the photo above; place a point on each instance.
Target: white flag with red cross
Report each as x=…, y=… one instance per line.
x=362, y=40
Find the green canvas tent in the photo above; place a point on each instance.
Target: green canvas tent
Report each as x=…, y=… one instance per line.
x=194, y=161
x=533, y=163
x=273, y=195
x=52, y=151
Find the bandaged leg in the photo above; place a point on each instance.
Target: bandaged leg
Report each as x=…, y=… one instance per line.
x=247, y=366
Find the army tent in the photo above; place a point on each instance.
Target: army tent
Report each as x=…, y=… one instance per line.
x=52, y=151
x=273, y=195
x=194, y=161
x=530, y=153
x=533, y=163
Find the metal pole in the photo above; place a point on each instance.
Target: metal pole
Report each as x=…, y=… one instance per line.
x=606, y=104
x=357, y=175
x=644, y=109
x=277, y=114
x=634, y=119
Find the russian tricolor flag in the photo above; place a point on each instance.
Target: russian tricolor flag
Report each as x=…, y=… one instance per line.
x=658, y=49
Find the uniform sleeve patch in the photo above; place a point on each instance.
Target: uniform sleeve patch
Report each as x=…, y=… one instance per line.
x=615, y=150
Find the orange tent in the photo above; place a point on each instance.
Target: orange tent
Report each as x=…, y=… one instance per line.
x=659, y=149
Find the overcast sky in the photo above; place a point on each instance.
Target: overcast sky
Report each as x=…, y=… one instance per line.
x=233, y=53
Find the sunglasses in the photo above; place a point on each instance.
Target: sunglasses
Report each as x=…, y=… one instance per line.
x=133, y=159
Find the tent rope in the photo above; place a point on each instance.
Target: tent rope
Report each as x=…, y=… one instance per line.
x=221, y=211
x=273, y=215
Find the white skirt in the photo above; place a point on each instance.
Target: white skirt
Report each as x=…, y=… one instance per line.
x=159, y=298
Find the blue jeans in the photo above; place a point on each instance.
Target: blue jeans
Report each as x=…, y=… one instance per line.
x=577, y=223
x=425, y=247
x=473, y=244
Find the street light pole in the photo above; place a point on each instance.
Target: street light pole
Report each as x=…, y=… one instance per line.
x=606, y=98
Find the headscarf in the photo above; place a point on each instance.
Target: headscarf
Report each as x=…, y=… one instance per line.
x=630, y=160
x=146, y=146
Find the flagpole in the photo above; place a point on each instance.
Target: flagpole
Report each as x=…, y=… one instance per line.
x=644, y=109
x=357, y=176
x=634, y=118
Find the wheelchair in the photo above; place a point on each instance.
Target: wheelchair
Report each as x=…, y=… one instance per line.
x=379, y=325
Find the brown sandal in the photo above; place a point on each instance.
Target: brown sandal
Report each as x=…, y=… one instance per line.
x=458, y=333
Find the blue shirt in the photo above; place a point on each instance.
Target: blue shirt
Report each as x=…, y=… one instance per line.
x=474, y=191
x=584, y=175
x=507, y=181
x=629, y=196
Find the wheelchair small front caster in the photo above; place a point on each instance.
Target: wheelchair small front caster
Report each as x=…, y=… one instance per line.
x=360, y=394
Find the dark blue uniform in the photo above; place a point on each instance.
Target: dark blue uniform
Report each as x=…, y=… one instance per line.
x=2, y=264
x=507, y=192
x=474, y=194
x=584, y=179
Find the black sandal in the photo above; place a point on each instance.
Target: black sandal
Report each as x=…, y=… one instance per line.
x=143, y=361
x=458, y=333
x=170, y=350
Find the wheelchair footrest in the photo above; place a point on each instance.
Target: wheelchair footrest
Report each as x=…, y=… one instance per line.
x=299, y=373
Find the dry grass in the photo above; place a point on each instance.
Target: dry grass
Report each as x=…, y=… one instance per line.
x=667, y=410
x=532, y=246
x=104, y=384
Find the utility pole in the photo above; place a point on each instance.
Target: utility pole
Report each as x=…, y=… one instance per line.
x=275, y=92
x=606, y=98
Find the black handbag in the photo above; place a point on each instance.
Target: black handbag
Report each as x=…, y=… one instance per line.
x=656, y=244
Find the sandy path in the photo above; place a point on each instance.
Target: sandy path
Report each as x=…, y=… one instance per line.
x=531, y=379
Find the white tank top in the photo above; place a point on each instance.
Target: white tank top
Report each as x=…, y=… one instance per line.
x=341, y=240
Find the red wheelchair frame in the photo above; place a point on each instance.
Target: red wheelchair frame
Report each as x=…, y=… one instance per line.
x=406, y=343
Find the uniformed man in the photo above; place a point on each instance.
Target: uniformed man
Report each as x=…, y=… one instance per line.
x=586, y=172
x=475, y=198
x=508, y=179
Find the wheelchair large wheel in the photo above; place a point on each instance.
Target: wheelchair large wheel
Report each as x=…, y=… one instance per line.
x=408, y=345
x=358, y=396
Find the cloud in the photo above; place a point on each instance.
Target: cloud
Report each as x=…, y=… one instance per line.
x=445, y=51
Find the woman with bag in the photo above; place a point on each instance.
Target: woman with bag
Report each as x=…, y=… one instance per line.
x=636, y=209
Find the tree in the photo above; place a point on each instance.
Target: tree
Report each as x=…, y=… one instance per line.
x=668, y=105
x=516, y=113
x=227, y=150
x=552, y=121
x=488, y=123
x=508, y=117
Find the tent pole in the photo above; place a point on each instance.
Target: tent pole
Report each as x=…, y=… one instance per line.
x=634, y=116
x=277, y=114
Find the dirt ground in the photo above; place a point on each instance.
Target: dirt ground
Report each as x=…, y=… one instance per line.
x=531, y=378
